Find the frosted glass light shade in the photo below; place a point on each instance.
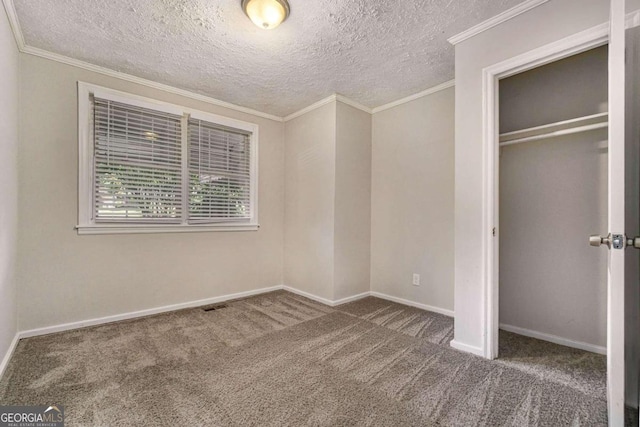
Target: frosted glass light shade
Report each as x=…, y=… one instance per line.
x=266, y=14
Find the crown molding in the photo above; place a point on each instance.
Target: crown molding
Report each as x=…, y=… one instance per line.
x=329, y=99
x=352, y=103
x=427, y=92
x=496, y=20
x=12, y=15
x=144, y=82
x=314, y=106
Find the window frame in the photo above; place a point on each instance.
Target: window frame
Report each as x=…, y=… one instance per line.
x=86, y=224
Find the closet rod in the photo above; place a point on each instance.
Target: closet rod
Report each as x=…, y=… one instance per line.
x=556, y=133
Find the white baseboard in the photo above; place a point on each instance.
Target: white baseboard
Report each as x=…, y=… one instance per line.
x=316, y=298
x=326, y=301
x=554, y=339
x=403, y=301
x=334, y=303
x=467, y=348
x=351, y=298
x=8, y=354
x=142, y=313
x=148, y=312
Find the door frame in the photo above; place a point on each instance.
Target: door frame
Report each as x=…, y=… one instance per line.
x=572, y=45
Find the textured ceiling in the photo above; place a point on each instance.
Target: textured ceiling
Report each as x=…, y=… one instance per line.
x=371, y=51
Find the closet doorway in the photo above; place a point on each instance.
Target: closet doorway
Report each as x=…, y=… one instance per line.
x=553, y=154
x=553, y=125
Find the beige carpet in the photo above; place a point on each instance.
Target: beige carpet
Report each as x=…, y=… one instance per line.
x=280, y=359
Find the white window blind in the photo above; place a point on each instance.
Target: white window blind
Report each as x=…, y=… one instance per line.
x=147, y=166
x=219, y=173
x=137, y=164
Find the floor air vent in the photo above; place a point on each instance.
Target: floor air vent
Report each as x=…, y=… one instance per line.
x=214, y=307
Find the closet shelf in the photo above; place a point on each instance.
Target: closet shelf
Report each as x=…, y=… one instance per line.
x=566, y=127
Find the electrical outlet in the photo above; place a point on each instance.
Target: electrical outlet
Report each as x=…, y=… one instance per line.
x=416, y=279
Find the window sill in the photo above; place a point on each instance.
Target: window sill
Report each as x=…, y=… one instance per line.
x=164, y=228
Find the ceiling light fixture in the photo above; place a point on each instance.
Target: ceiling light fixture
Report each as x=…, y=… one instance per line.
x=266, y=14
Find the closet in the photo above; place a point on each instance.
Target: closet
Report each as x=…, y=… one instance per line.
x=552, y=196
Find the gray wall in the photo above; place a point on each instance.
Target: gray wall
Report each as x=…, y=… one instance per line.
x=572, y=87
x=352, y=225
x=65, y=277
x=8, y=182
x=544, y=24
x=328, y=201
x=553, y=194
x=310, y=173
x=412, y=200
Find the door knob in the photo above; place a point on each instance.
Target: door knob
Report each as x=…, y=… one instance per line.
x=597, y=240
x=635, y=242
x=615, y=240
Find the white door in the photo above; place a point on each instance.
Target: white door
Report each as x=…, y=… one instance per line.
x=616, y=239
x=624, y=208
x=632, y=207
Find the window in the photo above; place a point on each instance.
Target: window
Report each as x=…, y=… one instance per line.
x=147, y=166
x=137, y=164
x=219, y=173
